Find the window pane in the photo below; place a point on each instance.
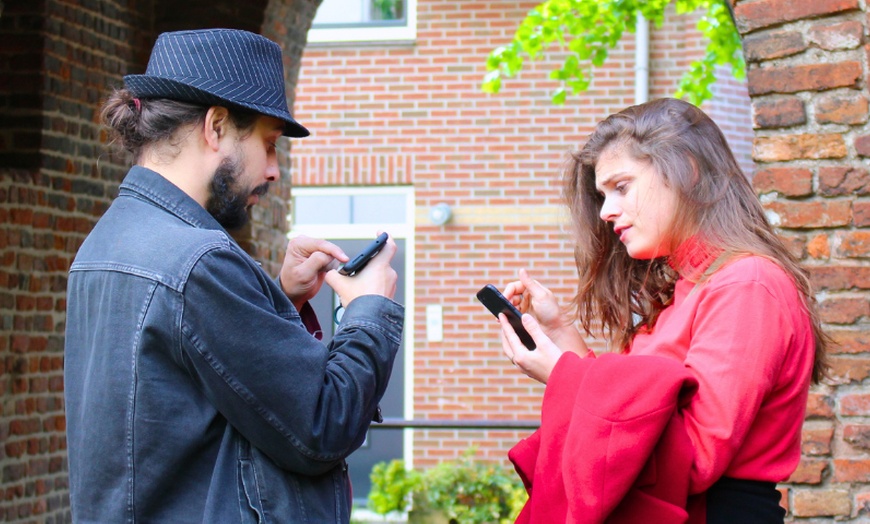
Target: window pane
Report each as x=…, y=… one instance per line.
x=359, y=13
x=325, y=209
x=378, y=209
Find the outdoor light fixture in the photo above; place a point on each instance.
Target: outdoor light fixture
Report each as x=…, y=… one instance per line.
x=440, y=214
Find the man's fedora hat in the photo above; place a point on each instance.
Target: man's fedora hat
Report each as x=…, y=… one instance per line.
x=218, y=67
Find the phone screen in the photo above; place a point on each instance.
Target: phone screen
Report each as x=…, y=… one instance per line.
x=496, y=303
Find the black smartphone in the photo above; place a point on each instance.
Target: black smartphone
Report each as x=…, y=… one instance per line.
x=496, y=303
x=358, y=262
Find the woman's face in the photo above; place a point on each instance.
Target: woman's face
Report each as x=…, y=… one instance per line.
x=637, y=202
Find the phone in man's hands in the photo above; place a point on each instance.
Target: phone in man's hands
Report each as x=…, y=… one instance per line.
x=358, y=262
x=496, y=303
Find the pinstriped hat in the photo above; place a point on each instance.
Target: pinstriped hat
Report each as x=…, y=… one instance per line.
x=218, y=67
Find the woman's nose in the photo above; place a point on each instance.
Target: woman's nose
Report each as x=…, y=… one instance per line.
x=609, y=210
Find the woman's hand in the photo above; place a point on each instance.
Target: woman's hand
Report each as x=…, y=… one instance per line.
x=537, y=363
x=531, y=297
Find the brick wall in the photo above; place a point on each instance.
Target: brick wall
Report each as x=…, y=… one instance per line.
x=808, y=84
x=54, y=183
x=415, y=115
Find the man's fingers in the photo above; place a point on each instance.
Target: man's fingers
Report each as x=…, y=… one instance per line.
x=306, y=247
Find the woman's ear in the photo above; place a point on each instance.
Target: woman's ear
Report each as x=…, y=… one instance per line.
x=216, y=126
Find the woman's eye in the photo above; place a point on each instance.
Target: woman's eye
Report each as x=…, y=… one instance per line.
x=621, y=188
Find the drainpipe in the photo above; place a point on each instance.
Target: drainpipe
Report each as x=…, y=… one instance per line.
x=641, y=60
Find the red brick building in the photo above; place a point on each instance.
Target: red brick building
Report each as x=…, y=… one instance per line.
x=407, y=122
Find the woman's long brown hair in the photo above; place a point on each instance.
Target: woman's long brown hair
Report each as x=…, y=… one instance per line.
x=618, y=295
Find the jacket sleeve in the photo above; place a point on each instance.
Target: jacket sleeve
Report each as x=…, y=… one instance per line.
x=305, y=404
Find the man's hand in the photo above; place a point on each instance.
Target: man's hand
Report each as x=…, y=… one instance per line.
x=306, y=262
x=377, y=278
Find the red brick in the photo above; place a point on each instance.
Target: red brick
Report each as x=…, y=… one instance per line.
x=818, y=247
x=854, y=244
x=809, y=471
x=796, y=244
x=762, y=13
x=816, y=441
x=845, y=370
x=857, y=435
x=766, y=46
x=840, y=277
x=789, y=181
x=851, y=470
x=778, y=112
x=843, y=35
x=862, y=504
x=778, y=148
x=843, y=308
x=820, y=405
x=841, y=108
x=862, y=145
x=861, y=213
x=849, y=340
x=843, y=180
x=821, y=503
x=810, y=214
x=809, y=77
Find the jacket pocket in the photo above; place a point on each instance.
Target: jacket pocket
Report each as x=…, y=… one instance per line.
x=250, y=500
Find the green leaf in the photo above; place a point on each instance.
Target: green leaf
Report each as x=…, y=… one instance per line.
x=589, y=29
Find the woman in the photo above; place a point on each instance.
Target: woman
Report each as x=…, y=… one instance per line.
x=677, y=264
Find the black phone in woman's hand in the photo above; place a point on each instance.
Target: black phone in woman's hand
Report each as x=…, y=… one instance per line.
x=496, y=303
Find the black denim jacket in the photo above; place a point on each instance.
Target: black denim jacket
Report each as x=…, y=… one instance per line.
x=194, y=393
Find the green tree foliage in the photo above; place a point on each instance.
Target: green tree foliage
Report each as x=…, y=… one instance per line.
x=589, y=29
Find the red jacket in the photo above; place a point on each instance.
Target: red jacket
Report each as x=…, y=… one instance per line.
x=612, y=444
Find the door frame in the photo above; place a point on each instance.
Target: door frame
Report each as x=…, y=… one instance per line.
x=404, y=231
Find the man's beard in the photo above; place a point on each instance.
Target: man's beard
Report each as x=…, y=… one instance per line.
x=227, y=203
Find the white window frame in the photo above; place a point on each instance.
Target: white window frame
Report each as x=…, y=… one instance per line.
x=392, y=34
x=404, y=231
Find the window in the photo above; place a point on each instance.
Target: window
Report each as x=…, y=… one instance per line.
x=364, y=20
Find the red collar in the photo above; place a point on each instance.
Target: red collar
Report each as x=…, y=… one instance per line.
x=693, y=258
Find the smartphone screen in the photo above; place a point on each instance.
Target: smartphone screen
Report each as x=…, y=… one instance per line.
x=496, y=303
x=358, y=262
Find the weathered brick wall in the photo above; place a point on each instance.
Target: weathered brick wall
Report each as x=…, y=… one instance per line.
x=57, y=60
x=808, y=83
x=415, y=115
x=54, y=183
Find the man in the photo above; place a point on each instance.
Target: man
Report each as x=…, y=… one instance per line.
x=195, y=391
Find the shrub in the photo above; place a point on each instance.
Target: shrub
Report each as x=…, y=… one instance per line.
x=464, y=491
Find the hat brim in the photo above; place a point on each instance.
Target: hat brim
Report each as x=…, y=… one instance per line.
x=146, y=86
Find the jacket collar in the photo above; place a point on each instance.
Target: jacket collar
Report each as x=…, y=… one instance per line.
x=151, y=186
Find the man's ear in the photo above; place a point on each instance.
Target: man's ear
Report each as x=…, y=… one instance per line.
x=216, y=126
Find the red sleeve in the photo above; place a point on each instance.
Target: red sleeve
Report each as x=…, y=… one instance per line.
x=309, y=320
